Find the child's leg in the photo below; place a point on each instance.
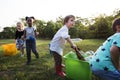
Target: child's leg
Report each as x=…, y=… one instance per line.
x=58, y=62
x=22, y=51
x=57, y=58
x=34, y=49
x=28, y=50
x=17, y=44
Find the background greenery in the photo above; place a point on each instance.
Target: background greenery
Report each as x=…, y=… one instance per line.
x=86, y=28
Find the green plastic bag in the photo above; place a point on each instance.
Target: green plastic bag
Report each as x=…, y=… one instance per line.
x=77, y=69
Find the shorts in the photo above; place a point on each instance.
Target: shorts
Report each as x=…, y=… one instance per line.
x=107, y=75
x=20, y=43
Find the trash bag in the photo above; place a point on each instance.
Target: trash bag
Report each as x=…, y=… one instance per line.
x=9, y=49
x=77, y=69
x=88, y=55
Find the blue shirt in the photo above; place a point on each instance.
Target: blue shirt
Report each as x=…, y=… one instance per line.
x=101, y=60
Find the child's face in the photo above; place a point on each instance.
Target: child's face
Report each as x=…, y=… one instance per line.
x=70, y=22
x=118, y=28
x=19, y=26
x=30, y=21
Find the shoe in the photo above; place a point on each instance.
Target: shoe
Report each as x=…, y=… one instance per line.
x=22, y=55
x=59, y=71
x=37, y=56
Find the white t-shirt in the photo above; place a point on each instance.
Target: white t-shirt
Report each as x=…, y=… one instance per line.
x=59, y=40
x=30, y=32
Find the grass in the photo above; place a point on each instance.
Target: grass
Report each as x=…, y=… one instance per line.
x=15, y=68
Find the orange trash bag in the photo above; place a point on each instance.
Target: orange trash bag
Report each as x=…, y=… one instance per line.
x=9, y=49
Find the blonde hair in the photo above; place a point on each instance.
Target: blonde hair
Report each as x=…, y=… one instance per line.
x=22, y=25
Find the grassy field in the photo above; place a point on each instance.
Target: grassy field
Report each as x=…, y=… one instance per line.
x=15, y=68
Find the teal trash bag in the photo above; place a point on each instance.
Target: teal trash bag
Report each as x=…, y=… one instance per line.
x=76, y=69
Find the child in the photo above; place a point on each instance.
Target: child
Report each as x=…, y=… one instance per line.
x=58, y=42
x=18, y=38
x=105, y=61
x=30, y=36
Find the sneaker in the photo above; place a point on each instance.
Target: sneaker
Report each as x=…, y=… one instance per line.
x=22, y=55
x=37, y=56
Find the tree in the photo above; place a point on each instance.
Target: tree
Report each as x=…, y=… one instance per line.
x=116, y=13
x=8, y=32
x=49, y=29
x=101, y=27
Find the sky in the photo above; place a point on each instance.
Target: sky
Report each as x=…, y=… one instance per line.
x=12, y=10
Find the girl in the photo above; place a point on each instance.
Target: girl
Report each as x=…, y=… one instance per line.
x=18, y=38
x=105, y=61
x=59, y=40
x=30, y=36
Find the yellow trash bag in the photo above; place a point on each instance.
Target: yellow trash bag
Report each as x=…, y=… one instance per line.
x=9, y=49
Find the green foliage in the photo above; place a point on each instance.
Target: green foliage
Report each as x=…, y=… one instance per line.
x=102, y=28
x=85, y=28
x=8, y=32
x=116, y=13
x=49, y=30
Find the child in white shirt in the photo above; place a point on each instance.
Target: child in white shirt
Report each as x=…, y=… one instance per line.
x=58, y=42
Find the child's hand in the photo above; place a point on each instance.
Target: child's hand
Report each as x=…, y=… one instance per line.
x=22, y=37
x=37, y=33
x=74, y=46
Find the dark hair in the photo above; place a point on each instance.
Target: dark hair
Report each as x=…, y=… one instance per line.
x=26, y=18
x=115, y=23
x=67, y=18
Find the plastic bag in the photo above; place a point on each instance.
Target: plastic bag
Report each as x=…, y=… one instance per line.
x=9, y=49
x=88, y=55
x=77, y=69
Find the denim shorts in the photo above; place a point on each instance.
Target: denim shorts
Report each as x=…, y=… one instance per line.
x=19, y=43
x=107, y=75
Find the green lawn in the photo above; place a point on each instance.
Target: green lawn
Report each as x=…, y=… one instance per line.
x=15, y=68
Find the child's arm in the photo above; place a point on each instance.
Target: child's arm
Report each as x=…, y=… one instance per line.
x=16, y=35
x=36, y=33
x=71, y=43
x=24, y=35
x=115, y=53
x=80, y=57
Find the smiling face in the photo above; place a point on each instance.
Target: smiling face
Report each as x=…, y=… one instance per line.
x=19, y=26
x=30, y=22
